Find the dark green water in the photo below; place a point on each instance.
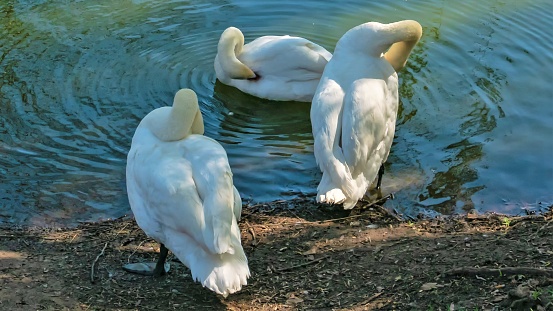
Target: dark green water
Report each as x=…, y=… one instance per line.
x=475, y=128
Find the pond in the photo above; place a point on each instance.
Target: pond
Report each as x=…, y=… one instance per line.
x=474, y=129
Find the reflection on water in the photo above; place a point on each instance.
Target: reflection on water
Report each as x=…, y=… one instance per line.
x=449, y=187
x=473, y=128
x=267, y=142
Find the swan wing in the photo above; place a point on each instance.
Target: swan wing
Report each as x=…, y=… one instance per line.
x=213, y=179
x=161, y=190
x=296, y=58
x=326, y=119
x=369, y=125
x=364, y=124
x=182, y=191
x=237, y=204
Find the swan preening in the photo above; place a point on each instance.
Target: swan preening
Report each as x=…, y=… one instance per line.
x=354, y=110
x=282, y=68
x=180, y=184
x=181, y=192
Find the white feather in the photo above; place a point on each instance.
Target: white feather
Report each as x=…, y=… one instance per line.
x=354, y=109
x=285, y=68
x=182, y=195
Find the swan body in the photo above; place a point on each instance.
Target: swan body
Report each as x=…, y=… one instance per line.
x=354, y=109
x=181, y=192
x=282, y=68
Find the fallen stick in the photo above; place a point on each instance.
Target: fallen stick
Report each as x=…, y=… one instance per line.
x=332, y=220
x=373, y=297
x=313, y=222
x=134, y=251
x=377, y=202
x=362, y=303
x=542, y=227
x=252, y=232
x=302, y=264
x=469, y=271
x=94, y=263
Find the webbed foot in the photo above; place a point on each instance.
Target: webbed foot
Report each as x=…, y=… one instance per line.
x=146, y=268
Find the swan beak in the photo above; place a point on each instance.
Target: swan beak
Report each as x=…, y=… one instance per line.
x=245, y=74
x=250, y=74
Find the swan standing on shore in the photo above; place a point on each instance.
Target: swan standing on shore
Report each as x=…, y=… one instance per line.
x=182, y=195
x=280, y=68
x=354, y=110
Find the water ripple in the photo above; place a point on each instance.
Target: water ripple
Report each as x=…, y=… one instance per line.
x=72, y=93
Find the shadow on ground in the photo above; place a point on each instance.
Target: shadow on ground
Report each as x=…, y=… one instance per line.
x=302, y=256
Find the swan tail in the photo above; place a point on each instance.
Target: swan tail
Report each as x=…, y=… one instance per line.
x=338, y=171
x=336, y=185
x=222, y=273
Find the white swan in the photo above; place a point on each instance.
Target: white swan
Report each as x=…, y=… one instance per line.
x=181, y=192
x=354, y=110
x=280, y=68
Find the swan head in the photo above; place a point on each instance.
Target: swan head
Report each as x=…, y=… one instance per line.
x=407, y=34
x=228, y=50
x=395, y=40
x=185, y=105
x=177, y=122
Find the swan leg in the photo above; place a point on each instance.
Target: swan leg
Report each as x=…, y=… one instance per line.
x=380, y=173
x=156, y=269
x=159, y=270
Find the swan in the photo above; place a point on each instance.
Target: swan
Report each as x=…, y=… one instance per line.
x=354, y=110
x=181, y=192
x=282, y=68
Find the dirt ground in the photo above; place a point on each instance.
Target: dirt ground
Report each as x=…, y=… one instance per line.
x=302, y=257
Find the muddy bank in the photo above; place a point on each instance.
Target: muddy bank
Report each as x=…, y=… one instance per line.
x=302, y=256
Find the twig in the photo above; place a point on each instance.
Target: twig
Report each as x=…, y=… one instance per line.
x=333, y=219
x=124, y=227
x=362, y=208
x=252, y=232
x=74, y=236
x=94, y=263
x=302, y=264
x=378, y=203
x=328, y=220
x=386, y=211
x=309, y=222
x=469, y=271
x=516, y=220
x=362, y=303
x=134, y=251
x=543, y=227
x=373, y=297
x=272, y=297
x=9, y=236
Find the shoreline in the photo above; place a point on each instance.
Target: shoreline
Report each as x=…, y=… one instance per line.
x=308, y=257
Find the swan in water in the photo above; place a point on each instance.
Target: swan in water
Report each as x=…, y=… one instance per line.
x=354, y=109
x=280, y=68
x=182, y=195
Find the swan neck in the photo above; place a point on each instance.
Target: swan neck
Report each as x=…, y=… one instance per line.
x=231, y=42
x=229, y=48
x=177, y=122
x=405, y=35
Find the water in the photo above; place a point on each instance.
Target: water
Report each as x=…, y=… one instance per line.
x=76, y=77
